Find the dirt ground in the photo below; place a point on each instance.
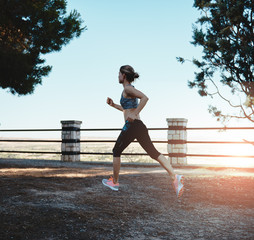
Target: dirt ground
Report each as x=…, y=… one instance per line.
x=46, y=200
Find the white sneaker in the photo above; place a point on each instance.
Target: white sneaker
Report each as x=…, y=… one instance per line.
x=178, y=185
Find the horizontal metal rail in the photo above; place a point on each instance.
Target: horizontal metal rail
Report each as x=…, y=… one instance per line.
x=224, y=128
x=218, y=142
x=170, y=155
x=30, y=130
x=229, y=156
x=32, y=152
x=59, y=141
x=169, y=128
x=30, y=140
x=119, y=129
x=113, y=141
x=135, y=154
x=155, y=141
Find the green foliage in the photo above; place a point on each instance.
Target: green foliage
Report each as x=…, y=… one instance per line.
x=28, y=29
x=225, y=33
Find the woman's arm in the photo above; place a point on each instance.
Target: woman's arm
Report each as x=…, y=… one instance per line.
x=112, y=104
x=142, y=103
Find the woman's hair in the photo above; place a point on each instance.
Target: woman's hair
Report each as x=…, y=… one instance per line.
x=129, y=73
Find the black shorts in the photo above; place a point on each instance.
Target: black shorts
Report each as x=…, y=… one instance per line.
x=135, y=130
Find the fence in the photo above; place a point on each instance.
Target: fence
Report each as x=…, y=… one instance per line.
x=176, y=142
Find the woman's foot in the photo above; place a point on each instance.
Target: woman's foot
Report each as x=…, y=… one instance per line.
x=178, y=185
x=110, y=183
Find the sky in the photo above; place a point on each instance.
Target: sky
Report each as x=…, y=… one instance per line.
x=145, y=34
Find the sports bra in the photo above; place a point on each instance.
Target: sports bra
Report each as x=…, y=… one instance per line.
x=128, y=103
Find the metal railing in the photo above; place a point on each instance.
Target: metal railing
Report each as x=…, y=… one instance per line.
x=112, y=141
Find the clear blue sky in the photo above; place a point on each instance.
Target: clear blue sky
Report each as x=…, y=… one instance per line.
x=146, y=34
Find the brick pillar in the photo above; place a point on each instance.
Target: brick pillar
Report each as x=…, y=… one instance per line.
x=70, y=141
x=177, y=136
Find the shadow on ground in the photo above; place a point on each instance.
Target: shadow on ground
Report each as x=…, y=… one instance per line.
x=71, y=203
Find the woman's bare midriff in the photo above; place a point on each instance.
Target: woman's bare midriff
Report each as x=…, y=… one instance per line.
x=128, y=112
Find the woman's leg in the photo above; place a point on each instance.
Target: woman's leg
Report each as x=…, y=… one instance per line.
x=126, y=136
x=145, y=141
x=165, y=163
x=116, y=168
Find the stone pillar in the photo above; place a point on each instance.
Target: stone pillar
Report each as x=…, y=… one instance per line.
x=70, y=141
x=177, y=136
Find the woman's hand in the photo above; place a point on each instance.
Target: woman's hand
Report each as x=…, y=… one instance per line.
x=110, y=102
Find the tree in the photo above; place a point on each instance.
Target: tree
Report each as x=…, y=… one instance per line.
x=29, y=29
x=225, y=31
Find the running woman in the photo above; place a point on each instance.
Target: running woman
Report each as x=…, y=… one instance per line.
x=134, y=128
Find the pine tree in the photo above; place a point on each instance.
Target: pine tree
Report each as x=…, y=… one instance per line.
x=28, y=30
x=225, y=31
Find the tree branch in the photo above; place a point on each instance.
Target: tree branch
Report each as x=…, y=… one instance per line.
x=235, y=106
x=218, y=92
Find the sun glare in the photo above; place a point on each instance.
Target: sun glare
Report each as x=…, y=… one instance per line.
x=239, y=150
x=245, y=148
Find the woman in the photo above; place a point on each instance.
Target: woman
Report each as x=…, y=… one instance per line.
x=135, y=129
